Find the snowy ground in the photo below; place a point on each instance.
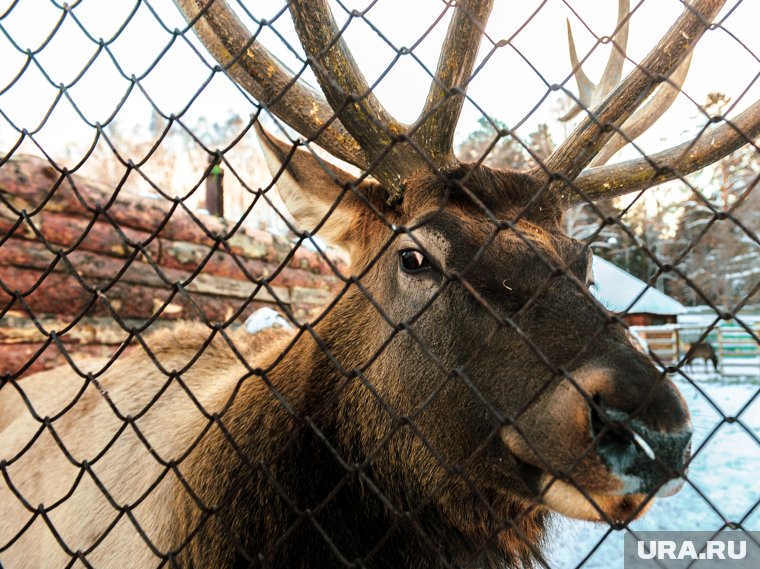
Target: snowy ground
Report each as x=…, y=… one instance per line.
x=731, y=368
x=726, y=470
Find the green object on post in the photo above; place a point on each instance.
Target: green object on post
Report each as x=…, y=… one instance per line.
x=215, y=189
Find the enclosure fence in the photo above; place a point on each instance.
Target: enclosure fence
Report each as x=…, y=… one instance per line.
x=735, y=351
x=439, y=378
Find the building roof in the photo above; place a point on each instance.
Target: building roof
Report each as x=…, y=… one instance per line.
x=617, y=290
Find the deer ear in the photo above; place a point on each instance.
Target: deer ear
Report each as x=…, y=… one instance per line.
x=316, y=192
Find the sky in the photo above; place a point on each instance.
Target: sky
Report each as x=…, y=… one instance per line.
x=171, y=72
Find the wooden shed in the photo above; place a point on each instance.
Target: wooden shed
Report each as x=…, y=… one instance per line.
x=92, y=262
x=639, y=304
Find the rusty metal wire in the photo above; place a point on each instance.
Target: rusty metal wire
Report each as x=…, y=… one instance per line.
x=24, y=220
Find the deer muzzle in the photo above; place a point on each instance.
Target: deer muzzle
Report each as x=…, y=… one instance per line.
x=606, y=443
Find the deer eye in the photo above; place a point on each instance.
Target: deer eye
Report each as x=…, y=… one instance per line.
x=413, y=261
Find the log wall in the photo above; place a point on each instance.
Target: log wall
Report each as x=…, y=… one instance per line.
x=93, y=262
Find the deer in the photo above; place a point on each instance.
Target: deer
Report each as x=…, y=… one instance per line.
x=703, y=350
x=461, y=390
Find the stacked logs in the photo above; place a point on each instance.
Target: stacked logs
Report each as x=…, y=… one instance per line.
x=92, y=263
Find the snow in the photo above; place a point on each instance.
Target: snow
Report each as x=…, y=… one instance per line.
x=730, y=367
x=617, y=290
x=265, y=318
x=743, y=274
x=705, y=316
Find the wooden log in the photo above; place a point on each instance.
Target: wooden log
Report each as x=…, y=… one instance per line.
x=187, y=257
x=28, y=182
x=235, y=283
x=61, y=294
x=69, y=205
x=64, y=231
x=135, y=220
x=92, y=267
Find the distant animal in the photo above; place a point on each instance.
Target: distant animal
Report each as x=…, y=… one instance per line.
x=703, y=350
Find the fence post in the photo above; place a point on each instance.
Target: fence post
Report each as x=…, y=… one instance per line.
x=678, y=344
x=215, y=188
x=720, y=350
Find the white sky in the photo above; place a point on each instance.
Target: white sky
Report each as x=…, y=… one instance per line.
x=507, y=87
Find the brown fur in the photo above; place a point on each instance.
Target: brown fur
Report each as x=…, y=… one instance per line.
x=359, y=438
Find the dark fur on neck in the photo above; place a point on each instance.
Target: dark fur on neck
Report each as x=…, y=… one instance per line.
x=296, y=488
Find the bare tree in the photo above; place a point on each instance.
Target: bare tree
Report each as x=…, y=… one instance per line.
x=172, y=158
x=716, y=241
x=489, y=144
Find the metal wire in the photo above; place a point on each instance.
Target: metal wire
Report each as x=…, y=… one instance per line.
x=102, y=207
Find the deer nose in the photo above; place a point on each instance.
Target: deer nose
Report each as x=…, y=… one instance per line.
x=644, y=459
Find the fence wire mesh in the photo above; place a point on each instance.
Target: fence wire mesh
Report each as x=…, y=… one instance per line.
x=444, y=375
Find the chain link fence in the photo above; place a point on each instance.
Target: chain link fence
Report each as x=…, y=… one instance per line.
x=219, y=348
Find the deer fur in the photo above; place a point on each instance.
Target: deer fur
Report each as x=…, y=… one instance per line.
x=352, y=439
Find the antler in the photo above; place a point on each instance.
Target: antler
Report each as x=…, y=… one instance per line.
x=590, y=95
x=635, y=175
x=267, y=79
x=594, y=132
x=443, y=106
x=647, y=115
x=603, y=182
x=349, y=121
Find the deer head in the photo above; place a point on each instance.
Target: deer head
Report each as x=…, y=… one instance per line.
x=467, y=325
